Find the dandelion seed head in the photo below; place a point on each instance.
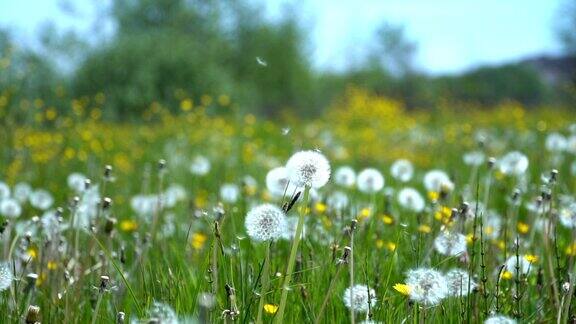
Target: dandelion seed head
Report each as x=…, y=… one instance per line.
x=6, y=276
x=200, y=165
x=567, y=215
x=358, y=296
x=10, y=208
x=437, y=181
x=22, y=191
x=370, y=181
x=402, y=170
x=450, y=243
x=411, y=199
x=337, y=200
x=41, y=199
x=308, y=168
x=499, y=319
x=77, y=182
x=345, y=176
x=556, y=142
x=277, y=183
x=513, y=163
x=524, y=265
x=265, y=223
x=163, y=313
x=427, y=286
x=457, y=280
x=229, y=192
x=474, y=158
x=4, y=190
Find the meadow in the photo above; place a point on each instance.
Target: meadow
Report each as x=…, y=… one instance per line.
x=453, y=215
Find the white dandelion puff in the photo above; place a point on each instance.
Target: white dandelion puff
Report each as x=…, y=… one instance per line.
x=524, y=265
x=459, y=283
x=290, y=229
x=10, y=208
x=77, y=182
x=474, y=158
x=4, y=190
x=499, y=319
x=163, y=313
x=411, y=199
x=41, y=199
x=571, y=144
x=229, y=192
x=513, y=163
x=345, y=176
x=567, y=215
x=450, y=243
x=277, y=183
x=370, y=181
x=22, y=191
x=438, y=181
x=308, y=168
x=200, y=165
x=402, y=170
x=6, y=275
x=265, y=223
x=337, y=200
x=426, y=286
x=556, y=142
x=358, y=298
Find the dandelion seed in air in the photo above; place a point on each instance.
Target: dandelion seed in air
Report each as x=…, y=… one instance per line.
x=261, y=61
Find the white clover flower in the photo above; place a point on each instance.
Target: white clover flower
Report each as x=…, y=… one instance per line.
x=513, y=163
x=4, y=190
x=370, y=181
x=556, y=142
x=200, y=165
x=499, y=319
x=524, y=266
x=458, y=284
x=10, y=208
x=6, y=275
x=22, y=191
x=449, y=243
x=345, y=176
x=77, y=182
x=337, y=200
x=567, y=215
x=308, y=169
x=41, y=199
x=426, y=286
x=438, y=181
x=265, y=222
x=290, y=229
x=358, y=296
x=474, y=158
x=411, y=199
x=229, y=192
x=402, y=170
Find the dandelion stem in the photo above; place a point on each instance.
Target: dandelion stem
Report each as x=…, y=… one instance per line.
x=265, y=279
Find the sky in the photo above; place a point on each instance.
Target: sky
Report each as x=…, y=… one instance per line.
x=452, y=35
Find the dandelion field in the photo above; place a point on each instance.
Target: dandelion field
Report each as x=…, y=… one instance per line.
x=443, y=216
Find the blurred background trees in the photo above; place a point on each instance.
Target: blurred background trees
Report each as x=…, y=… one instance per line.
x=217, y=51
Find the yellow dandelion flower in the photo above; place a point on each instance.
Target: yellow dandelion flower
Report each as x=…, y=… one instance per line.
x=571, y=249
x=128, y=225
x=186, y=104
x=32, y=253
x=198, y=240
x=506, y=275
x=531, y=258
x=424, y=229
x=364, y=213
x=469, y=238
x=270, y=308
x=388, y=220
x=523, y=228
x=433, y=195
x=402, y=288
x=391, y=246
x=52, y=265
x=320, y=208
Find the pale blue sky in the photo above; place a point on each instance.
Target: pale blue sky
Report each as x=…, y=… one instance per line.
x=452, y=35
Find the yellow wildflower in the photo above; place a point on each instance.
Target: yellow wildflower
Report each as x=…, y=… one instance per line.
x=198, y=240
x=320, y=208
x=531, y=258
x=128, y=225
x=402, y=288
x=523, y=228
x=388, y=220
x=506, y=275
x=424, y=228
x=270, y=308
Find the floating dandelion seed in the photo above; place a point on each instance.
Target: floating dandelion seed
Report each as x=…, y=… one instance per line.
x=499, y=319
x=265, y=223
x=358, y=297
x=308, y=168
x=402, y=170
x=458, y=280
x=411, y=199
x=277, y=183
x=345, y=176
x=261, y=61
x=229, y=192
x=427, y=286
x=370, y=181
x=449, y=243
x=200, y=165
x=438, y=181
x=285, y=130
x=10, y=208
x=513, y=163
x=6, y=276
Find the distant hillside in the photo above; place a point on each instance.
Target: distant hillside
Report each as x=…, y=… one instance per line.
x=553, y=70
